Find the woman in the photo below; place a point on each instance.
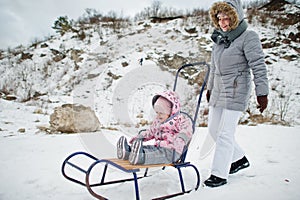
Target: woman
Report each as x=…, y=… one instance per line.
x=236, y=51
x=170, y=130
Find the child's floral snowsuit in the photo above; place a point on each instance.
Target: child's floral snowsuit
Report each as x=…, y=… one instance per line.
x=175, y=132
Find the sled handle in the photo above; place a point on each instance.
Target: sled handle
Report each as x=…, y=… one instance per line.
x=202, y=86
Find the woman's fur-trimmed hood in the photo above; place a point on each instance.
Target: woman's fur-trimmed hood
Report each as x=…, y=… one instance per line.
x=232, y=8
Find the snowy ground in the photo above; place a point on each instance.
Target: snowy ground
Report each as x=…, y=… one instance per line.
x=31, y=159
x=31, y=163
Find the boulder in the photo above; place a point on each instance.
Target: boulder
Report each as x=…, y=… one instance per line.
x=72, y=118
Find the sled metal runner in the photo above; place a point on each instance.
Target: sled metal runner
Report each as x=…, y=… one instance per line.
x=126, y=167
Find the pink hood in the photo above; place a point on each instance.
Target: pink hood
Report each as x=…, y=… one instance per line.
x=172, y=97
x=175, y=132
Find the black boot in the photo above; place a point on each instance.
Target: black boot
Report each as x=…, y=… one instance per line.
x=214, y=181
x=238, y=165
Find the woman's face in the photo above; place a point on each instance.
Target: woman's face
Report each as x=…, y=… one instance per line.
x=161, y=116
x=224, y=22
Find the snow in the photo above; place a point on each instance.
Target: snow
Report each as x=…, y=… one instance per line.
x=31, y=159
x=31, y=163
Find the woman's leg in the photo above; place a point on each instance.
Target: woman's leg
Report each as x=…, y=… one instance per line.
x=214, y=118
x=225, y=143
x=238, y=152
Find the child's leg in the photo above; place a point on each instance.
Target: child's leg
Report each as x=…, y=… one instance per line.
x=150, y=154
x=159, y=155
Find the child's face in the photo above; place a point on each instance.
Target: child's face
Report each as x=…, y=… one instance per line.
x=162, y=116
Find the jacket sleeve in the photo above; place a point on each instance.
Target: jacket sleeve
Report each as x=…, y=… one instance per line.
x=210, y=82
x=145, y=135
x=186, y=130
x=255, y=58
x=182, y=138
x=185, y=135
x=149, y=134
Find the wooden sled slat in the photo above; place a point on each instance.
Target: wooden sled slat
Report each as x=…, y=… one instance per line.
x=128, y=166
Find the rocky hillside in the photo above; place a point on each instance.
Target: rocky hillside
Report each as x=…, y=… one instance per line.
x=89, y=60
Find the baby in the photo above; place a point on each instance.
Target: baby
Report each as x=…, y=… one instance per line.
x=170, y=130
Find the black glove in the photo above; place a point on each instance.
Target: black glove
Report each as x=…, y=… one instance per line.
x=207, y=95
x=262, y=102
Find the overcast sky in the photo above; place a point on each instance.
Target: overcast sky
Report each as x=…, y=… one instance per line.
x=23, y=21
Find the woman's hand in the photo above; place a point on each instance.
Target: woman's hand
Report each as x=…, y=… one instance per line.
x=262, y=102
x=208, y=95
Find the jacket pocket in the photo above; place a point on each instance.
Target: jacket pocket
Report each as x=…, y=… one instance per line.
x=241, y=83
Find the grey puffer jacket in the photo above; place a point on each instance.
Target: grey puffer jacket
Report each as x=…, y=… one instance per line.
x=230, y=78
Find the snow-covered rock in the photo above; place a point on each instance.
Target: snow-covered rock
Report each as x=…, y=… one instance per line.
x=70, y=118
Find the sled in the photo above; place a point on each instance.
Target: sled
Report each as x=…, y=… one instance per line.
x=125, y=167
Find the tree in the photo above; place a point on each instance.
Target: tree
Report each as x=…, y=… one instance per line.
x=155, y=7
x=62, y=25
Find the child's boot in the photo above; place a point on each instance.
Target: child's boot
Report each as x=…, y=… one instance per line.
x=123, y=149
x=137, y=155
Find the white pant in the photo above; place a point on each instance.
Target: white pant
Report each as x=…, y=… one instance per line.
x=222, y=125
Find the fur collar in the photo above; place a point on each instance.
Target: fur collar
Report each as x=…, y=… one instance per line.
x=227, y=9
